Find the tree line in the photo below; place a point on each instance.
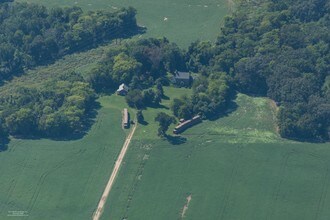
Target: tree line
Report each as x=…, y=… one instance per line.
x=279, y=49
x=148, y=64
x=31, y=34
x=56, y=108
x=60, y=106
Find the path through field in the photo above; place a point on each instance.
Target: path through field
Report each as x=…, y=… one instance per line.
x=114, y=173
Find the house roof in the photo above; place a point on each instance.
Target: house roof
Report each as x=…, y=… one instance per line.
x=122, y=87
x=182, y=75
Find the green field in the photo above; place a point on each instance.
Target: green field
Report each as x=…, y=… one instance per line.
x=236, y=167
x=61, y=179
x=187, y=20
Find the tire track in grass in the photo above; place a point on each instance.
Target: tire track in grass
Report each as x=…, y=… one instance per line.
x=14, y=181
x=324, y=185
x=324, y=193
x=133, y=187
x=229, y=186
x=43, y=177
x=277, y=190
x=92, y=175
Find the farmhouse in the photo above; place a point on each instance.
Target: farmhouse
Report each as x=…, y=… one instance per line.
x=122, y=90
x=182, y=79
x=125, y=118
x=187, y=124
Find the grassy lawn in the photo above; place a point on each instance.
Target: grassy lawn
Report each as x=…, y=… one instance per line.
x=61, y=179
x=187, y=20
x=236, y=167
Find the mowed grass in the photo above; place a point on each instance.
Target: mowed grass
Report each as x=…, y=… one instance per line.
x=62, y=179
x=181, y=21
x=236, y=167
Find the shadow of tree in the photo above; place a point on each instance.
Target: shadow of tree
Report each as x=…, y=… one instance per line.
x=231, y=106
x=88, y=122
x=176, y=140
x=4, y=143
x=145, y=123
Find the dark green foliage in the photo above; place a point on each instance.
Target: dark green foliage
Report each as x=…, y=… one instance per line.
x=135, y=99
x=210, y=97
x=160, y=90
x=139, y=116
x=57, y=108
x=138, y=63
x=140, y=99
x=151, y=98
x=199, y=54
x=279, y=49
x=31, y=34
x=164, y=121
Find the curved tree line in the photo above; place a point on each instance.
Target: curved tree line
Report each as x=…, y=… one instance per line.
x=31, y=34
x=279, y=49
x=274, y=48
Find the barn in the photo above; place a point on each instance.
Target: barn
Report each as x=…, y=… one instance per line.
x=187, y=124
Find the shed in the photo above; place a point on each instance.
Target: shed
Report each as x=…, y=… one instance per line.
x=125, y=118
x=122, y=90
x=182, y=79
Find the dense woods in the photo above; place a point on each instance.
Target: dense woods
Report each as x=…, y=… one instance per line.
x=279, y=49
x=31, y=35
x=211, y=96
x=140, y=64
x=58, y=107
x=274, y=48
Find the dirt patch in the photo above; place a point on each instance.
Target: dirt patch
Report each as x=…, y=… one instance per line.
x=185, y=207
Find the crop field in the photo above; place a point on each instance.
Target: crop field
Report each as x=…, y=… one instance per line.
x=236, y=167
x=181, y=21
x=61, y=179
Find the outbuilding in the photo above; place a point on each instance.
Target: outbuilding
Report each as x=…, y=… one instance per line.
x=182, y=79
x=125, y=118
x=122, y=90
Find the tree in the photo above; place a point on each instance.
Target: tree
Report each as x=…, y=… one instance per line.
x=139, y=116
x=124, y=68
x=160, y=90
x=164, y=121
x=32, y=34
x=134, y=99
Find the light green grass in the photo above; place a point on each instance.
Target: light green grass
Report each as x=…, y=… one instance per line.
x=62, y=179
x=236, y=167
x=188, y=20
x=79, y=62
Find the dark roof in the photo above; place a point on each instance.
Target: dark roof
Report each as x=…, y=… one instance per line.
x=182, y=75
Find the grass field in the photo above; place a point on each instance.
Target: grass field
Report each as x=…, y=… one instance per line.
x=236, y=167
x=61, y=179
x=181, y=21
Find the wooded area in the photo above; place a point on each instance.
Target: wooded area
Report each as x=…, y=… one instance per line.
x=274, y=48
x=279, y=49
x=32, y=35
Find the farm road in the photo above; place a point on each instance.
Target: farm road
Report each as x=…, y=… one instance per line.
x=100, y=207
